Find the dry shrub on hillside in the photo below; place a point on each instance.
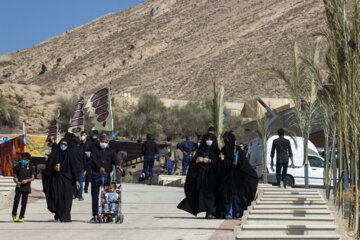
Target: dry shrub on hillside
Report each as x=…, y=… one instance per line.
x=9, y=117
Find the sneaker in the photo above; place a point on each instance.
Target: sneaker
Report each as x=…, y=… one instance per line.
x=237, y=215
x=93, y=219
x=81, y=199
x=21, y=220
x=15, y=219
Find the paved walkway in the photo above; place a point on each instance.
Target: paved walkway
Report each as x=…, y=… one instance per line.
x=150, y=213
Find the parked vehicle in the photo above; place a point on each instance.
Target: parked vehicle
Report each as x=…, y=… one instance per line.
x=295, y=176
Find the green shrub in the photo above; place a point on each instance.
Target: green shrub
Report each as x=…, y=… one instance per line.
x=66, y=106
x=9, y=117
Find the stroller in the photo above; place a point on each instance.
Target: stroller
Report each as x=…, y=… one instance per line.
x=110, y=216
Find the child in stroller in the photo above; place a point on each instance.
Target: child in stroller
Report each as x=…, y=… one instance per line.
x=110, y=204
x=111, y=198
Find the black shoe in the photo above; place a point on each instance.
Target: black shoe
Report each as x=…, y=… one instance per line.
x=81, y=199
x=74, y=197
x=210, y=216
x=56, y=218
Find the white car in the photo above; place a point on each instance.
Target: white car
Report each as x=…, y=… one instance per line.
x=295, y=176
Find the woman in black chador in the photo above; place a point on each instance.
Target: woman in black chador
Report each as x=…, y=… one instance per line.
x=237, y=180
x=201, y=180
x=63, y=175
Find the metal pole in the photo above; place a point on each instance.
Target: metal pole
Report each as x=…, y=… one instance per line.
x=57, y=126
x=335, y=170
x=306, y=166
x=24, y=134
x=264, y=162
x=112, y=128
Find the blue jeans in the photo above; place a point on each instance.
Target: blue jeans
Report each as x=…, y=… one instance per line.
x=80, y=175
x=112, y=206
x=234, y=207
x=186, y=161
x=148, y=166
x=281, y=165
x=96, y=181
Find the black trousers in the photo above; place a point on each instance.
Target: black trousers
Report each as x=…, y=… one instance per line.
x=24, y=197
x=281, y=175
x=87, y=178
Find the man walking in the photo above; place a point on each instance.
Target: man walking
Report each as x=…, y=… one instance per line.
x=121, y=155
x=101, y=160
x=149, y=150
x=179, y=156
x=283, y=153
x=187, y=147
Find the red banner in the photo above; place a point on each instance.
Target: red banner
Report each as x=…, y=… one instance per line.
x=10, y=153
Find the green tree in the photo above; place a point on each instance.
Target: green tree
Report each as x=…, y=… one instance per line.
x=301, y=86
x=234, y=124
x=66, y=106
x=147, y=117
x=9, y=117
x=194, y=118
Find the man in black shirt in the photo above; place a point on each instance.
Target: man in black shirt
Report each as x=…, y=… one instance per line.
x=23, y=176
x=101, y=160
x=149, y=150
x=283, y=153
x=121, y=155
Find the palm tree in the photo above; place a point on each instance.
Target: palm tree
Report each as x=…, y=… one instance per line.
x=262, y=132
x=343, y=58
x=218, y=117
x=301, y=86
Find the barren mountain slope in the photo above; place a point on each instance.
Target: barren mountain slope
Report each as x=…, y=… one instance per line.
x=174, y=48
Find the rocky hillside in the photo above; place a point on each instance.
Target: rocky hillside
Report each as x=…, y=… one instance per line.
x=173, y=48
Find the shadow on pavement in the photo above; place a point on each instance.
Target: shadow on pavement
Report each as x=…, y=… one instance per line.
x=199, y=218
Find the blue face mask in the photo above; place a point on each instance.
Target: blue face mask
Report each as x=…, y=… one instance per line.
x=94, y=137
x=23, y=162
x=63, y=147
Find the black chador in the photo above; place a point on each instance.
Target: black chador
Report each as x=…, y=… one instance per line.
x=237, y=180
x=59, y=185
x=202, y=180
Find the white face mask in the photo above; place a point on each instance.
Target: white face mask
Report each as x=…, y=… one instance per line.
x=83, y=138
x=103, y=145
x=209, y=142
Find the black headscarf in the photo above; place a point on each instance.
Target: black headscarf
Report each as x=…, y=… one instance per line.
x=65, y=158
x=69, y=137
x=229, y=146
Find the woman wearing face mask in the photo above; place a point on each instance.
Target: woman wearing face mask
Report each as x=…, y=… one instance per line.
x=63, y=176
x=202, y=179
